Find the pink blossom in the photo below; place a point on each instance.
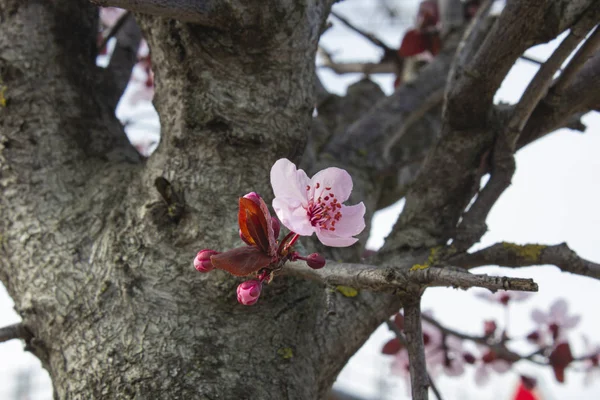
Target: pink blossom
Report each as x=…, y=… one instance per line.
x=202, y=261
x=503, y=297
x=314, y=205
x=556, y=322
x=488, y=363
x=110, y=15
x=249, y=291
x=591, y=362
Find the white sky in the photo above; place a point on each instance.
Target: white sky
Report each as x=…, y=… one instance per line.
x=553, y=198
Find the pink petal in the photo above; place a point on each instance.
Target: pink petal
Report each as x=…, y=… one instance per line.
x=481, y=375
x=332, y=180
x=570, y=322
x=486, y=296
x=456, y=367
x=539, y=317
x=329, y=238
x=500, y=366
x=293, y=216
x=352, y=221
x=558, y=310
x=289, y=183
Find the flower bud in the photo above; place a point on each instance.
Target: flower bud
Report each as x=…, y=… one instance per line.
x=276, y=226
x=315, y=261
x=248, y=292
x=202, y=261
x=243, y=238
x=255, y=197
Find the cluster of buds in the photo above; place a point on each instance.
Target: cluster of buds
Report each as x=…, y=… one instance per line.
x=263, y=253
x=305, y=206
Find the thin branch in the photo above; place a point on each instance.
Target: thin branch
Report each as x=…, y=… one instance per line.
x=499, y=348
x=400, y=336
x=369, y=36
x=515, y=255
x=114, y=29
x=388, y=279
x=382, y=67
x=15, y=331
x=577, y=62
x=419, y=378
x=542, y=80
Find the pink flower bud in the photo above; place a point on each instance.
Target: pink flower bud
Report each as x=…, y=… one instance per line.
x=248, y=292
x=255, y=197
x=202, y=261
x=315, y=261
x=276, y=226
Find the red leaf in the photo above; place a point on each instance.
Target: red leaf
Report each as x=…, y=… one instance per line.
x=399, y=321
x=524, y=394
x=413, y=43
x=392, y=347
x=489, y=327
x=241, y=261
x=256, y=226
x=560, y=358
x=428, y=14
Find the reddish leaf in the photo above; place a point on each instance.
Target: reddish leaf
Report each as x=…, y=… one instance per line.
x=428, y=15
x=256, y=226
x=392, y=347
x=413, y=43
x=399, y=321
x=560, y=358
x=241, y=261
x=434, y=43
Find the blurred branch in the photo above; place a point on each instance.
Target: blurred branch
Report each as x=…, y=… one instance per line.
x=419, y=378
x=515, y=255
x=473, y=225
x=402, y=278
x=15, y=331
x=388, y=51
x=382, y=67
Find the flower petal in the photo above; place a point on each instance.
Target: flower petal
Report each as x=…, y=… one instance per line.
x=293, y=216
x=288, y=182
x=571, y=321
x=481, y=375
x=500, y=366
x=330, y=239
x=539, y=317
x=558, y=310
x=332, y=180
x=352, y=221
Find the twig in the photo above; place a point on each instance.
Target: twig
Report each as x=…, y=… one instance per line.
x=515, y=255
x=369, y=36
x=382, y=67
x=387, y=279
x=416, y=350
x=15, y=331
x=400, y=336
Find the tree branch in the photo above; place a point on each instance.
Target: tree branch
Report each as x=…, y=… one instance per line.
x=416, y=350
x=514, y=255
x=400, y=279
x=15, y=331
x=584, y=53
x=388, y=51
x=382, y=67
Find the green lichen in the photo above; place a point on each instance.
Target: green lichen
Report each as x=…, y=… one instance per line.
x=418, y=267
x=529, y=252
x=2, y=97
x=347, y=291
x=286, y=353
x=105, y=286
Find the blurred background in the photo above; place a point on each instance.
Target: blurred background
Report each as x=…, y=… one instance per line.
x=554, y=198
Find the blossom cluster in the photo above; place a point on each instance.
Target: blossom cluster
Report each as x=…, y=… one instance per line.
x=304, y=206
x=446, y=353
